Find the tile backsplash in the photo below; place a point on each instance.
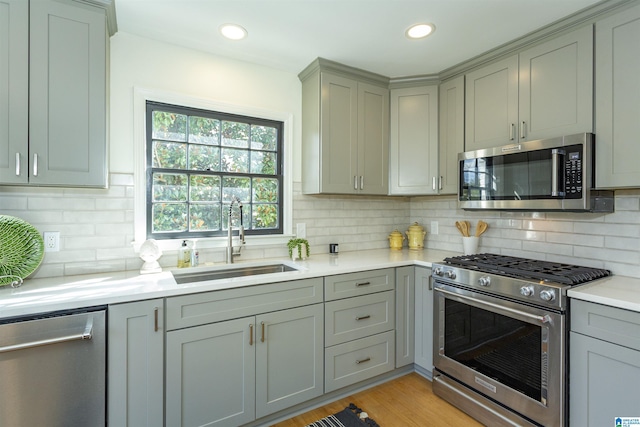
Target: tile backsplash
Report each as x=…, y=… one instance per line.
x=97, y=227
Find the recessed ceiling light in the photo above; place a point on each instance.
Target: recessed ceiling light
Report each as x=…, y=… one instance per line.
x=233, y=31
x=419, y=31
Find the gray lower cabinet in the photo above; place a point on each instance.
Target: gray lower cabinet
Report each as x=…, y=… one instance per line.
x=617, y=87
x=56, y=93
x=424, y=319
x=136, y=364
x=227, y=370
x=604, y=364
x=359, y=327
x=405, y=315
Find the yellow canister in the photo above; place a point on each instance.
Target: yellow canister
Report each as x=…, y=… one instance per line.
x=415, y=236
x=395, y=240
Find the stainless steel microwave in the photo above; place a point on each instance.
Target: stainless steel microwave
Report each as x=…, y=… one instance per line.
x=555, y=174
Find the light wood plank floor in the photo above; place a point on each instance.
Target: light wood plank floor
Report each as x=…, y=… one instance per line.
x=404, y=402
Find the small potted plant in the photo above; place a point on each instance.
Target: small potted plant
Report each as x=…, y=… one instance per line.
x=298, y=248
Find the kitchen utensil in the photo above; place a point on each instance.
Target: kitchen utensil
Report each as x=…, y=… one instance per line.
x=464, y=227
x=460, y=228
x=481, y=228
x=21, y=249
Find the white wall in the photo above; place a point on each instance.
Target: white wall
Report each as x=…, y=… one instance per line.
x=155, y=66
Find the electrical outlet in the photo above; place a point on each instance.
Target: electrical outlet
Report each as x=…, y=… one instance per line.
x=434, y=227
x=51, y=241
x=301, y=230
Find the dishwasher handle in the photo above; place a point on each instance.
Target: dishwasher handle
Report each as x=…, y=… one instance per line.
x=87, y=334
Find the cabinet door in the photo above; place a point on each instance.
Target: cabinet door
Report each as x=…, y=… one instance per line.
x=424, y=319
x=556, y=87
x=491, y=105
x=414, y=141
x=405, y=316
x=604, y=382
x=67, y=96
x=211, y=374
x=339, y=134
x=14, y=90
x=289, y=363
x=618, y=107
x=451, y=134
x=135, y=364
x=373, y=139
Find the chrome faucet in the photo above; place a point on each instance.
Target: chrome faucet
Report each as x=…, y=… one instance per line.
x=231, y=252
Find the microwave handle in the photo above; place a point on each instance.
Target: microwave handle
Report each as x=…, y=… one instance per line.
x=557, y=172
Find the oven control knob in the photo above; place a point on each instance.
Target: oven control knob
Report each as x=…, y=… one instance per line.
x=438, y=271
x=547, y=295
x=484, y=281
x=526, y=291
x=450, y=274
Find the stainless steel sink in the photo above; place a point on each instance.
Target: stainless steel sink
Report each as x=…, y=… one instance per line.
x=227, y=273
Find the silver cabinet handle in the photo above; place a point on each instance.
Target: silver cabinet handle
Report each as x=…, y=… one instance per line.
x=35, y=164
x=440, y=183
x=522, y=130
x=512, y=132
x=366, y=359
x=433, y=183
x=155, y=319
x=363, y=317
x=362, y=182
x=17, y=164
x=86, y=335
x=355, y=182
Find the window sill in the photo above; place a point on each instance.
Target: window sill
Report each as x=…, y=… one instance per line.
x=217, y=242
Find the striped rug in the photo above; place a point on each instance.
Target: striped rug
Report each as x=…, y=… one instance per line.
x=348, y=417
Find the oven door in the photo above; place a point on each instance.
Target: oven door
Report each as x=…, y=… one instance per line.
x=511, y=353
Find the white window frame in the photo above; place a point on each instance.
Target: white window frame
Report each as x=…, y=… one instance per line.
x=140, y=98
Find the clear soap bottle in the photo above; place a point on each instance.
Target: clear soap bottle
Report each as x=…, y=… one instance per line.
x=184, y=255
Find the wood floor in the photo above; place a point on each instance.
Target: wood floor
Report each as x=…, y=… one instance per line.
x=404, y=402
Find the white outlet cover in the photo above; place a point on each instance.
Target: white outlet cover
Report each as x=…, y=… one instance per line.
x=51, y=241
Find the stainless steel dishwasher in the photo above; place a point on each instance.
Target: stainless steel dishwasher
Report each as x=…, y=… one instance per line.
x=53, y=369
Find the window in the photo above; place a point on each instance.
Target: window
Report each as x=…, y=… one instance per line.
x=198, y=161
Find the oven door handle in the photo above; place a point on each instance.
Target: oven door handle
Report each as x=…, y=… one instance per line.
x=542, y=319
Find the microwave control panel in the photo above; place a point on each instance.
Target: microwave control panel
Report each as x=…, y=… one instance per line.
x=573, y=172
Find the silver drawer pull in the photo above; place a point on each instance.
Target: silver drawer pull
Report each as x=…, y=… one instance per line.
x=363, y=317
x=366, y=359
x=17, y=164
x=86, y=335
x=363, y=284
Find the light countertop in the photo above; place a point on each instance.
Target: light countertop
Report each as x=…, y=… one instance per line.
x=62, y=293
x=615, y=291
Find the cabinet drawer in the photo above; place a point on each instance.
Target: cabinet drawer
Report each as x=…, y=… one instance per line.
x=361, y=283
x=359, y=317
x=610, y=324
x=198, y=309
x=358, y=360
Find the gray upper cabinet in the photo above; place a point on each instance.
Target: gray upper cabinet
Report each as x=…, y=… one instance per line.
x=14, y=89
x=544, y=91
x=345, y=132
x=451, y=134
x=63, y=69
x=413, y=153
x=618, y=108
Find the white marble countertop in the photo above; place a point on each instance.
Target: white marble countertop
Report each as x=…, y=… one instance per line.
x=615, y=291
x=62, y=293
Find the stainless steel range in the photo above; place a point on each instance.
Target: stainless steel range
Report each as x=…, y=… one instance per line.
x=500, y=339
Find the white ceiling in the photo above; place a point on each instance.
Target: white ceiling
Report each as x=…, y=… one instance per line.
x=367, y=34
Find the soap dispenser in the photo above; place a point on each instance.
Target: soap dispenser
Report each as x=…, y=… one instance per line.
x=184, y=255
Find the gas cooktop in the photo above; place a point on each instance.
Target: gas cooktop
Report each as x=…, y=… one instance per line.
x=524, y=268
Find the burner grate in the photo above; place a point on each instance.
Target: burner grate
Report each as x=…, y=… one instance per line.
x=528, y=268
